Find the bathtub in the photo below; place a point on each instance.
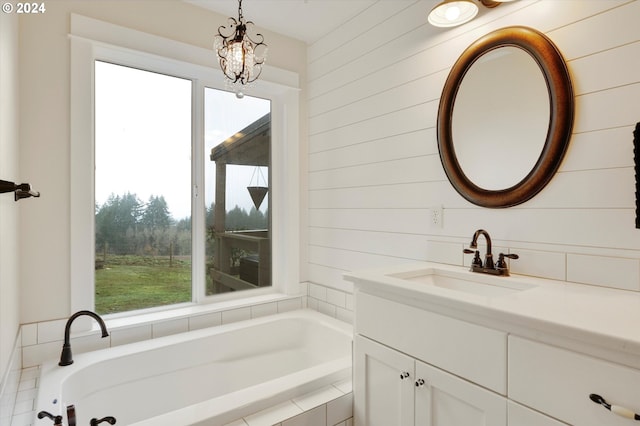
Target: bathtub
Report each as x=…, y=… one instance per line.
x=204, y=377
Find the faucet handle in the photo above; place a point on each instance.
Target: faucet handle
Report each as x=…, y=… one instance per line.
x=476, y=258
x=501, y=263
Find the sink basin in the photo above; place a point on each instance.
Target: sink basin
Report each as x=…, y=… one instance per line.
x=471, y=283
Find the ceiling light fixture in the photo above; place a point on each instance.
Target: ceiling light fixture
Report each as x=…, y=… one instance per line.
x=451, y=13
x=241, y=57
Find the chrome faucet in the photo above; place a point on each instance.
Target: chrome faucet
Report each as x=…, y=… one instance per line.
x=66, y=357
x=488, y=267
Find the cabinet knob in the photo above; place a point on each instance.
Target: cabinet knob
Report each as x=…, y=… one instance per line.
x=616, y=409
x=404, y=375
x=420, y=383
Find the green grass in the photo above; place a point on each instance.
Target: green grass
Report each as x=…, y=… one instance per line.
x=136, y=282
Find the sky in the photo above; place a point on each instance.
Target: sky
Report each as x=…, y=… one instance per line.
x=143, y=137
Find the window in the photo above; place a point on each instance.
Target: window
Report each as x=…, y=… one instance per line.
x=143, y=169
x=142, y=189
x=238, y=136
x=185, y=68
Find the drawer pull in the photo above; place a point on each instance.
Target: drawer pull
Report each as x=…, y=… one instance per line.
x=616, y=409
x=420, y=383
x=404, y=375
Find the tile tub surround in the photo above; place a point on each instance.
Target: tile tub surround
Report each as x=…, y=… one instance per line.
x=43, y=341
x=38, y=342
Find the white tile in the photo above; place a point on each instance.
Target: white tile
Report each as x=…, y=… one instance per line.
x=327, y=309
x=124, y=336
x=167, y=328
x=37, y=354
x=23, y=419
x=51, y=331
x=444, y=252
x=273, y=415
x=344, y=315
x=345, y=386
x=29, y=334
x=340, y=409
x=24, y=406
x=338, y=298
x=315, y=417
x=544, y=264
x=89, y=343
x=289, y=305
x=264, y=309
x=604, y=271
x=316, y=398
x=237, y=423
x=30, y=373
x=204, y=321
x=317, y=291
x=312, y=303
x=235, y=315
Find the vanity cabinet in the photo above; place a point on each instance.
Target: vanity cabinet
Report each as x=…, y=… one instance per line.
x=392, y=388
x=432, y=347
x=558, y=381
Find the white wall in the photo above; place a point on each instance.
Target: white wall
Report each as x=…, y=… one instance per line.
x=45, y=132
x=9, y=241
x=374, y=169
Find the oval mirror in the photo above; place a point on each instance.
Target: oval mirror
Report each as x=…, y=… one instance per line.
x=505, y=117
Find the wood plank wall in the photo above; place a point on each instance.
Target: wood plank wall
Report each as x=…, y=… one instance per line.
x=374, y=170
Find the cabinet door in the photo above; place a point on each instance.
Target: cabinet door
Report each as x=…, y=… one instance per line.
x=383, y=385
x=446, y=400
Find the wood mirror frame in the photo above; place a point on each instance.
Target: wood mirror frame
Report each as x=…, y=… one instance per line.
x=556, y=75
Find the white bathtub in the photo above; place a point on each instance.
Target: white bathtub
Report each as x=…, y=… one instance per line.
x=203, y=377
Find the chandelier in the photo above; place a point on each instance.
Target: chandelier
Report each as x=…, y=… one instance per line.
x=241, y=57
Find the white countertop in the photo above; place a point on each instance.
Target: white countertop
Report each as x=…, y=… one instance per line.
x=598, y=316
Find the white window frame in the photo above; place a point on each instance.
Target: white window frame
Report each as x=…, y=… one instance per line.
x=93, y=40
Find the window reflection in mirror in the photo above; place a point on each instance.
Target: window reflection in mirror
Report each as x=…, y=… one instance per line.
x=238, y=144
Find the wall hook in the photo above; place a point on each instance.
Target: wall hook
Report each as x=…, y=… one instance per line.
x=20, y=191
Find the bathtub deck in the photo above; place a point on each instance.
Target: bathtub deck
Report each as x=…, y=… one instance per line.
x=328, y=406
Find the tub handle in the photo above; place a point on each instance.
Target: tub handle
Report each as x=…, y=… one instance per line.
x=109, y=419
x=57, y=420
x=404, y=375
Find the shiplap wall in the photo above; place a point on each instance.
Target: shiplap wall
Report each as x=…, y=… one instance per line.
x=374, y=169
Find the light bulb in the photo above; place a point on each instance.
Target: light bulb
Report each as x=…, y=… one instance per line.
x=452, y=13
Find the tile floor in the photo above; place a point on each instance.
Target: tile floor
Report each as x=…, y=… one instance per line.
x=24, y=407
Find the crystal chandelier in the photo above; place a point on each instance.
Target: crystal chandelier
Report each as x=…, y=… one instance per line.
x=241, y=56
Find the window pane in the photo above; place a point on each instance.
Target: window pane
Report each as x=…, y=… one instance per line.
x=142, y=189
x=238, y=143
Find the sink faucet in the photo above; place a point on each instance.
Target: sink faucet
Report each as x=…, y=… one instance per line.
x=65, y=357
x=488, y=258
x=489, y=267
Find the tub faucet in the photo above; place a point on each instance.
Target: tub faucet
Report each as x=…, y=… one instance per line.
x=66, y=357
x=488, y=267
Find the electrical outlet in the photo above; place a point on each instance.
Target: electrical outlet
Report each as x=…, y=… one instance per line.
x=435, y=217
